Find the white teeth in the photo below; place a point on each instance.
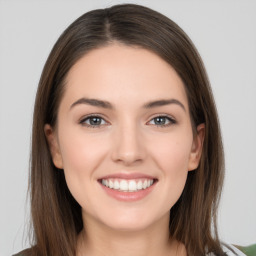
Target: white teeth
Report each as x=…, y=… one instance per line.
x=139, y=185
x=116, y=184
x=132, y=185
x=124, y=185
x=144, y=185
x=127, y=185
x=110, y=184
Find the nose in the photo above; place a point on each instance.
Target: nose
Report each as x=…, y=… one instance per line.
x=128, y=145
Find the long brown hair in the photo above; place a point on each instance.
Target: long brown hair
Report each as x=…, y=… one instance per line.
x=56, y=215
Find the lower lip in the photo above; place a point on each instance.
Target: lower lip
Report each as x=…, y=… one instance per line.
x=128, y=196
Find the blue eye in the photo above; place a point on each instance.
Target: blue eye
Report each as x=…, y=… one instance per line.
x=162, y=121
x=93, y=121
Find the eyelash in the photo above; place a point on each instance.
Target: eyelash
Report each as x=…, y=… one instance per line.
x=167, y=117
x=170, y=119
x=82, y=122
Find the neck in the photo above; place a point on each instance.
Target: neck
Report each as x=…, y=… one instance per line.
x=100, y=240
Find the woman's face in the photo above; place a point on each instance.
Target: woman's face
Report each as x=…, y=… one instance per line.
x=124, y=137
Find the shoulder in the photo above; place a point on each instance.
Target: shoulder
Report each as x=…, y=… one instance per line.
x=231, y=250
x=27, y=252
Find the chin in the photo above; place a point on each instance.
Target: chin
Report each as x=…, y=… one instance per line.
x=134, y=221
x=129, y=225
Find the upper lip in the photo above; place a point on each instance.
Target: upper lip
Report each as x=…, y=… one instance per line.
x=128, y=176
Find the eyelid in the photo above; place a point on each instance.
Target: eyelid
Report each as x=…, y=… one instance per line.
x=84, y=118
x=171, y=119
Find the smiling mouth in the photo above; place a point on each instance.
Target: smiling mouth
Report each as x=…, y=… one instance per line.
x=124, y=185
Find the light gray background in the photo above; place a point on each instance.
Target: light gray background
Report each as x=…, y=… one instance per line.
x=225, y=35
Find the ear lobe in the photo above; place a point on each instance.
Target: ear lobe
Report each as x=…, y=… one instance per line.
x=53, y=146
x=197, y=148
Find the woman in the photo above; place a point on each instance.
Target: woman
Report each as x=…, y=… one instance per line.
x=127, y=155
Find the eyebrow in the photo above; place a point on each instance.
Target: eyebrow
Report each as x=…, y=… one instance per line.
x=159, y=103
x=93, y=102
x=108, y=105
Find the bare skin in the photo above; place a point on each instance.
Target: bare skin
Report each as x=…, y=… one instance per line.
x=129, y=136
x=105, y=242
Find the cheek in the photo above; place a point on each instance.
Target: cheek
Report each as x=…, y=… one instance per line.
x=80, y=152
x=81, y=155
x=172, y=157
x=173, y=153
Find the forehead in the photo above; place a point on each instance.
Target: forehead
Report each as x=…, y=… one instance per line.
x=121, y=73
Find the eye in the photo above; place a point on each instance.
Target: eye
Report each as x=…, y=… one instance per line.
x=93, y=121
x=162, y=121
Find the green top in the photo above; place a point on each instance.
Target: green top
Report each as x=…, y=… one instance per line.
x=247, y=250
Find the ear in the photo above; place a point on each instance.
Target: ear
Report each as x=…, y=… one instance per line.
x=197, y=148
x=53, y=146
